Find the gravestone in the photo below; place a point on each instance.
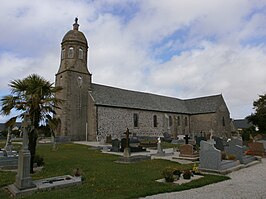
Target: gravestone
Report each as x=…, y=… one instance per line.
x=211, y=159
x=198, y=140
x=8, y=158
x=115, y=145
x=238, y=152
x=109, y=139
x=167, y=137
x=236, y=141
x=219, y=143
x=264, y=143
x=187, y=150
x=257, y=148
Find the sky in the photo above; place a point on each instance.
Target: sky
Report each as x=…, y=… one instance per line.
x=177, y=48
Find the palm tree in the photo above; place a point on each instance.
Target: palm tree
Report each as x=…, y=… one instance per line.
x=33, y=95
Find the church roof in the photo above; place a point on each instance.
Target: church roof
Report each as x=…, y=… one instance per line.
x=116, y=97
x=208, y=104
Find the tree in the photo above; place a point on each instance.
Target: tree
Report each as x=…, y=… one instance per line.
x=259, y=117
x=33, y=95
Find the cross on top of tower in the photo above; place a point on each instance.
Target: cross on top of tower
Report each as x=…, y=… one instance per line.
x=76, y=25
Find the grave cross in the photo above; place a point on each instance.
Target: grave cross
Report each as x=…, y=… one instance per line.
x=186, y=138
x=127, y=137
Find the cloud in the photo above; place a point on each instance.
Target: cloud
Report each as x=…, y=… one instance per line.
x=178, y=48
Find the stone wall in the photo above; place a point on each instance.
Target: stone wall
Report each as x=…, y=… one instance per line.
x=114, y=121
x=219, y=122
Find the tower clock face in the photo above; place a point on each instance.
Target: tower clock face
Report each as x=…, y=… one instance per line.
x=79, y=81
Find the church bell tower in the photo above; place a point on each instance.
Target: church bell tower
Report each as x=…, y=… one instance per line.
x=75, y=79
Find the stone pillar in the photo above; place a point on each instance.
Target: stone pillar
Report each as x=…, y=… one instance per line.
x=23, y=179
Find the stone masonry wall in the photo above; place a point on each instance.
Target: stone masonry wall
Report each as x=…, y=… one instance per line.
x=114, y=121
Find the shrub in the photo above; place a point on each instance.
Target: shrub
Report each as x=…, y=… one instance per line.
x=39, y=160
x=168, y=175
x=187, y=174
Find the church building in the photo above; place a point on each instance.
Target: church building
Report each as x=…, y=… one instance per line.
x=92, y=111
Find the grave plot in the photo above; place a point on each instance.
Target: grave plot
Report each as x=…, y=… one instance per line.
x=211, y=159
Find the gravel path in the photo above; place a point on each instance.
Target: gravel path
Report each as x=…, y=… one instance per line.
x=247, y=183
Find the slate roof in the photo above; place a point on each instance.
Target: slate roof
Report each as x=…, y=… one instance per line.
x=242, y=124
x=116, y=97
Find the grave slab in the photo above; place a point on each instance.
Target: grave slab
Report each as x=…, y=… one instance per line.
x=46, y=184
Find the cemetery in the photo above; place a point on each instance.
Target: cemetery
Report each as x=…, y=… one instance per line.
x=115, y=162
x=183, y=163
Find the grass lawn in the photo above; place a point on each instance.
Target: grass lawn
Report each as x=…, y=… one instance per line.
x=103, y=177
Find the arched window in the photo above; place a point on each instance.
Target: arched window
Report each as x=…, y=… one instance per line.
x=63, y=54
x=185, y=121
x=223, y=121
x=170, y=121
x=136, y=120
x=80, y=53
x=178, y=120
x=71, y=52
x=155, y=121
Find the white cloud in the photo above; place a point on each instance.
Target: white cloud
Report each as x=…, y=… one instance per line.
x=221, y=50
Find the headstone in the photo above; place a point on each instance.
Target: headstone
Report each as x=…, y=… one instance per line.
x=167, y=137
x=187, y=150
x=211, y=159
x=219, y=143
x=160, y=151
x=264, y=143
x=23, y=179
x=198, y=140
x=109, y=139
x=115, y=145
x=236, y=141
x=257, y=148
x=238, y=152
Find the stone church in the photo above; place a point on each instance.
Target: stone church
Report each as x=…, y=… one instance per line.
x=91, y=111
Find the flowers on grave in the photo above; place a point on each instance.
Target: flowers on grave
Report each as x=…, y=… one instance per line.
x=168, y=174
x=187, y=174
x=231, y=157
x=177, y=173
x=195, y=169
x=248, y=152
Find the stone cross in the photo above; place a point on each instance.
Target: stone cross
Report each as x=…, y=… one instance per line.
x=211, y=140
x=186, y=138
x=127, y=137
